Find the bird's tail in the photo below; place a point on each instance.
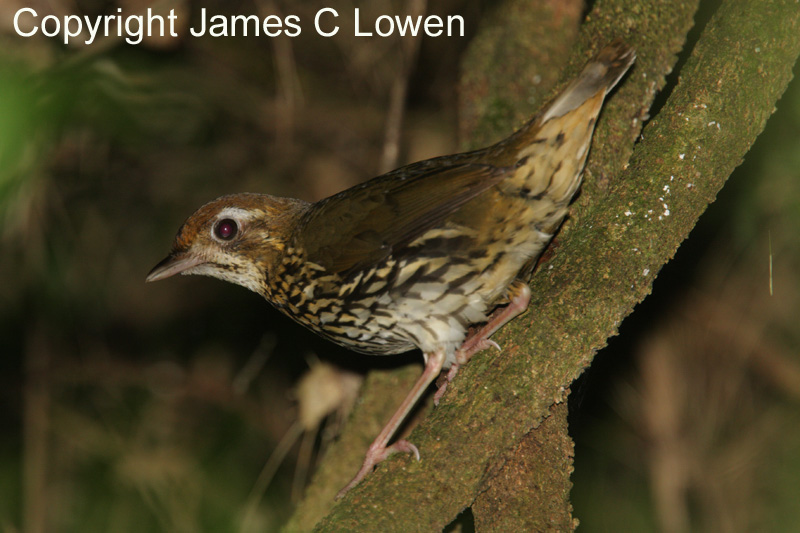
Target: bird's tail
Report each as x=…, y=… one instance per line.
x=601, y=73
x=551, y=150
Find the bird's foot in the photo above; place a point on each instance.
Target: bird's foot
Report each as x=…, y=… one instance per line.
x=471, y=346
x=375, y=455
x=519, y=296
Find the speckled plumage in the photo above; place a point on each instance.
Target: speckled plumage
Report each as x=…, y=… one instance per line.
x=413, y=258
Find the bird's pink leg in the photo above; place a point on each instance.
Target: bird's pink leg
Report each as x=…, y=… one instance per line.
x=379, y=449
x=519, y=295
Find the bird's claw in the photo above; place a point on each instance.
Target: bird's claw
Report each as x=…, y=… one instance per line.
x=376, y=455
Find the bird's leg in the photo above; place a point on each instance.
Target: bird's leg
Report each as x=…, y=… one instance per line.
x=519, y=296
x=379, y=449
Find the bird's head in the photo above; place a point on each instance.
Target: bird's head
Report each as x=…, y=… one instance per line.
x=236, y=238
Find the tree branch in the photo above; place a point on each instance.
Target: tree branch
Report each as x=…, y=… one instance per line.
x=624, y=227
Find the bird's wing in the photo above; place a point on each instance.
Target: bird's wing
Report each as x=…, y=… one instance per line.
x=366, y=223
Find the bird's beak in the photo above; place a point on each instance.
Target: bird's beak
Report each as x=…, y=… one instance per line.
x=175, y=263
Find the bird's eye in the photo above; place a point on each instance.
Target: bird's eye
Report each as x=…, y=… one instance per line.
x=226, y=229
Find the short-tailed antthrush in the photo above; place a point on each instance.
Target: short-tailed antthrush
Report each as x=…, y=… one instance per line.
x=413, y=258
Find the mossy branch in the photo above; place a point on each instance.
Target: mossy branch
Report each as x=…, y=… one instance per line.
x=626, y=225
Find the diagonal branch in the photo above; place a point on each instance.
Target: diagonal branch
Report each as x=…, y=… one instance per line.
x=625, y=226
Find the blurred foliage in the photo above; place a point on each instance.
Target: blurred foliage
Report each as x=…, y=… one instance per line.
x=130, y=407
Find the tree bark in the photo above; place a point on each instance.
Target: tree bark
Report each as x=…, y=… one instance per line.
x=638, y=203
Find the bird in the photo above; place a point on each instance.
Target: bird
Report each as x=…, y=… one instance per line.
x=434, y=256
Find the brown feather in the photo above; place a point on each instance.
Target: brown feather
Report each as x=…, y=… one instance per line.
x=369, y=222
